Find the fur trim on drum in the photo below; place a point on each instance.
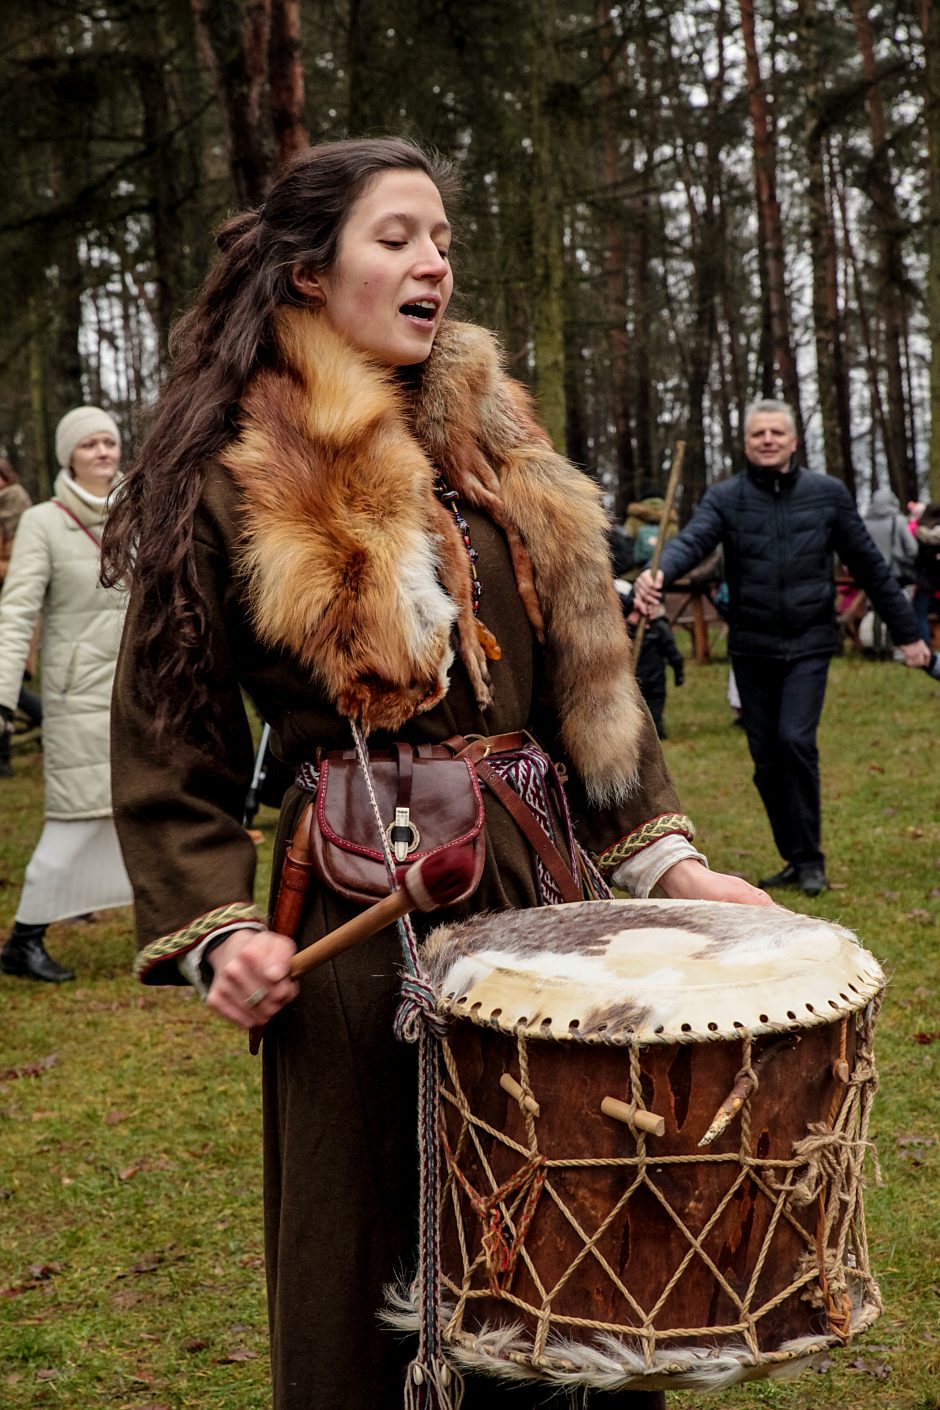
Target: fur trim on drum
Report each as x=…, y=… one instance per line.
x=607, y=1363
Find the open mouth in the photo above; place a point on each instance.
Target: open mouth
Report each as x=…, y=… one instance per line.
x=423, y=309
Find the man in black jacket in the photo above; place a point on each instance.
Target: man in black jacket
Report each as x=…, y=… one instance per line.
x=780, y=525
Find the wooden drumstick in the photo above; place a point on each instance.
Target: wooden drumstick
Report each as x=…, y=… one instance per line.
x=632, y=1115
x=425, y=885
x=434, y=881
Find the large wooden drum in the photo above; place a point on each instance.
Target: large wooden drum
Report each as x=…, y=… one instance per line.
x=653, y=1121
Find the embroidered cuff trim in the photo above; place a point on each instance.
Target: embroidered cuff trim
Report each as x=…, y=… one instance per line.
x=666, y=825
x=172, y=947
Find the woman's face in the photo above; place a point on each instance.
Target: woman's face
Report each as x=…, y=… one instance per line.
x=95, y=462
x=387, y=292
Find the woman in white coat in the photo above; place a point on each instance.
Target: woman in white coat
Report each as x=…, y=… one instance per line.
x=53, y=575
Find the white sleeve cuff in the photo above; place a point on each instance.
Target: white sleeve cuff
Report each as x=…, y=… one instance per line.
x=639, y=874
x=189, y=964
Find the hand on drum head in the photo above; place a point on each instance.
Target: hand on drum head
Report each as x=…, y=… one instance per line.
x=252, y=977
x=688, y=880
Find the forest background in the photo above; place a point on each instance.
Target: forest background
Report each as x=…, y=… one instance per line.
x=668, y=209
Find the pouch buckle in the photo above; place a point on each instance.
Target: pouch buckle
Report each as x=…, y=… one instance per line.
x=402, y=847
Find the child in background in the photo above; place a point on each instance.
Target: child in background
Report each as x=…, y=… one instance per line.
x=657, y=650
x=927, y=567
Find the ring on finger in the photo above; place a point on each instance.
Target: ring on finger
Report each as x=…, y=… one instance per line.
x=258, y=997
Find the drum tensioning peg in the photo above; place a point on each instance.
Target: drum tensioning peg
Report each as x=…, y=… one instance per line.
x=840, y=1071
x=634, y=1116
x=729, y=1109
x=510, y=1085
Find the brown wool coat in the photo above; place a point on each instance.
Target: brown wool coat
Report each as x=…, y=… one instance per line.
x=339, y=1091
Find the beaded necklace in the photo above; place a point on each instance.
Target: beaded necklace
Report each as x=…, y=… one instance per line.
x=448, y=497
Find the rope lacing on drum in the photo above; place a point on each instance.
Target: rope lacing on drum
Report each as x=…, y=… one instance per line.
x=502, y=1253
x=431, y=1383
x=834, y=1273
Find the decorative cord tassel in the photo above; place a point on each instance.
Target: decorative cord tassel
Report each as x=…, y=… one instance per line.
x=431, y=1384
x=440, y=1388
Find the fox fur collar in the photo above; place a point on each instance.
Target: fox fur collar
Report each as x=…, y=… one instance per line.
x=354, y=566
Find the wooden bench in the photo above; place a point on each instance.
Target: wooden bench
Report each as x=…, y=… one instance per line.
x=689, y=605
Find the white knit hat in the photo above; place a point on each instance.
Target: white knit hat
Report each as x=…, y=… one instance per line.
x=76, y=425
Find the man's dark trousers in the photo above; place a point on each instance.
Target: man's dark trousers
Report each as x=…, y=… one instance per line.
x=781, y=702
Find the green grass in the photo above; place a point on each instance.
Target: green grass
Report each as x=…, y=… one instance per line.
x=130, y=1232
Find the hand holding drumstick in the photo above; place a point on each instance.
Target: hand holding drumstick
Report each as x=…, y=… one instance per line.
x=256, y=971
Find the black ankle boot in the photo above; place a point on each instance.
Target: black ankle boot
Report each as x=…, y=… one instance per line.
x=6, y=766
x=24, y=954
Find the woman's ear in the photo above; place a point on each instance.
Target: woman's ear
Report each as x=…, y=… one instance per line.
x=308, y=284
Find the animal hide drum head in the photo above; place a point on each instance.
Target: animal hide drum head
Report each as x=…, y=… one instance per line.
x=649, y=971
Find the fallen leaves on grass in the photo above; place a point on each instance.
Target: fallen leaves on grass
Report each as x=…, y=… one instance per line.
x=913, y=1149
x=39, y=1274
x=150, y=1262
x=30, y=1069
x=925, y=1038
x=240, y=1353
x=880, y=1370
x=145, y=1166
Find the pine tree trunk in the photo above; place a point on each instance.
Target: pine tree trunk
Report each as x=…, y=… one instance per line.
x=892, y=303
x=842, y=359
x=234, y=40
x=930, y=20
x=878, y=422
x=41, y=438
x=547, y=206
x=287, y=79
x=826, y=323
x=615, y=271
x=769, y=223
x=164, y=173
x=706, y=247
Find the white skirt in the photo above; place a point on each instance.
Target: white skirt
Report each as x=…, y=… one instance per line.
x=76, y=867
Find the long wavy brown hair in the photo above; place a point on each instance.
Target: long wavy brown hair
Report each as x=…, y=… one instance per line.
x=216, y=348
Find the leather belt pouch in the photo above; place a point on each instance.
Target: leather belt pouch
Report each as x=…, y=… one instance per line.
x=427, y=798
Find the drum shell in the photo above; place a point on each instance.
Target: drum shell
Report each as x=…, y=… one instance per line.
x=645, y=1247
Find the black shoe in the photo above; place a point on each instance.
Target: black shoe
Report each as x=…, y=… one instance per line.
x=813, y=879
x=24, y=955
x=6, y=769
x=789, y=876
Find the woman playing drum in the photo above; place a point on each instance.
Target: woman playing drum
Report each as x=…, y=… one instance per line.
x=293, y=532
